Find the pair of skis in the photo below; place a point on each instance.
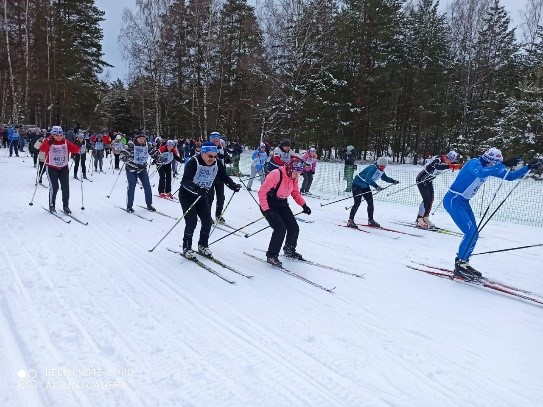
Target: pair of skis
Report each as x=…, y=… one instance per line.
x=65, y=215
x=379, y=228
x=209, y=269
x=482, y=282
x=433, y=229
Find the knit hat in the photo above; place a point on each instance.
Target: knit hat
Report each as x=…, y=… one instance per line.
x=57, y=130
x=350, y=148
x=262, y=145
x=171, y=143
x=382, y=161
x=294, y=165
x=215, y=134
x=492, y=156
x=285, y=143
x=312, y=150
x=452, y=155
x=118, y=137
x=209, y=147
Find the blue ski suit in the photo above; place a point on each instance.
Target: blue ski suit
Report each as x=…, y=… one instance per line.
x=456, y=201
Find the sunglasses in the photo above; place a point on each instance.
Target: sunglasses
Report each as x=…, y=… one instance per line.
x=212, y=156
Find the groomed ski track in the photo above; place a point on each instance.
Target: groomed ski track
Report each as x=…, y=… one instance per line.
x=92, y=297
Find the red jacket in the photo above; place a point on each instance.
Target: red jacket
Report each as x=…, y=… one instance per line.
x=288, y=187
x=60, y=158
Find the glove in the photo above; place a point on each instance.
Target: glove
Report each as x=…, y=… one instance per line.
x=235, y=187
x=267, y=213
x=378, y=188
x=202, y=192
x=50, y=141
x=512, y=162
x=312, y=172
x=395, y=182
x=535, y=165
x=307, y=209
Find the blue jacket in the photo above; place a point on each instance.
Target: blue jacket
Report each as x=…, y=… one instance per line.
x=473, y=174
x=13, y=134
x=259, y=159
x=369, y=175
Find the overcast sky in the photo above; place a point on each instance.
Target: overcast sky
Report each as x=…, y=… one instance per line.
x=113, y=24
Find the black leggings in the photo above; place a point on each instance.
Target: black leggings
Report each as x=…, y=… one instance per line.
x=55, y=176
x=358, y=194
x=80, y=158
x=282, y=221
x=426, y=190
x=200, y=210
x=165, y=180
x=219, y=188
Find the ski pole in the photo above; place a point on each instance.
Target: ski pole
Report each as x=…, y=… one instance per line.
x=82, y=204
x=237, y=230
x=417, y=183
x=247, y=179
x=38, y=175
x=501, y=203
x=116, y=179
x=362, y=193
x=176, y=223
x=222, y=213
x=438, y=205
x=245, y=186
x=266, y=227
x=506, y=250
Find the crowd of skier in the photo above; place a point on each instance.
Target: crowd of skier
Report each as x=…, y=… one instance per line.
x=204, y=176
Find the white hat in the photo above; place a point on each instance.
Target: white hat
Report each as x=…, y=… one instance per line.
x=262, y=145
x=452, y=155
x=382, y=161
x=492, y=156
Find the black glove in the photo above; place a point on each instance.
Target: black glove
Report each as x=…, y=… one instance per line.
x=535, y=165
x=235, y=187
x=307, y=209
x=50, y=141
x=312, y=172
x=378, y=188
x=202, y=192
x=512, y=162
x=266, y=213
x=395, y=182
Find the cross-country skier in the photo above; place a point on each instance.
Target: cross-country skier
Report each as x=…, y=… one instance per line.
x=168, y=153
x=280, y=155
x=135, y=156
x=456, y=201
x=218, y=187
x=57, y=150
x=273, y=198
x=310, y=160
x=80, y=157
x=361, y=189
x=201, y=172
x=434, y=167
x=258, y=163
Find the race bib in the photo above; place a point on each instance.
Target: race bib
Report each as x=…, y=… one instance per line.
x=141, y=154
x=58, y=155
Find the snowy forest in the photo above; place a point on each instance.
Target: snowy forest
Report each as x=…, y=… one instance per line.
x=387, y=76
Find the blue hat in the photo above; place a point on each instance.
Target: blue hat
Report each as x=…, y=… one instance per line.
x=209, y=147
x=215, y=135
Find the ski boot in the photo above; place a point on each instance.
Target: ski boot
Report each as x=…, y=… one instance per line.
x=292, y=253
x=371, y=222
x=463, y=270
x=351, y=224
x=67, y=210
x=52, y=208
x=151, y=208
x=429, y=222
x=274, y=261
x=204, y=251
x=129, y=209
x=189, y=254
x=220, y=220
x=420, y=223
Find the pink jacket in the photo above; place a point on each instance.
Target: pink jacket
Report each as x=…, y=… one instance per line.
x=310, y=158
x=287, y=188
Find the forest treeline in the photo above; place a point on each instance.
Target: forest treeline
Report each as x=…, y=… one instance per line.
x=386, y=76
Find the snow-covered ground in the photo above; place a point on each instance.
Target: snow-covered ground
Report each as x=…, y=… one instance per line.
x=90, y=317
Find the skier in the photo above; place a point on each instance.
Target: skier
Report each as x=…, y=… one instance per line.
x=41, y=159
x=280, y=155
x=135, y=155
x=259, y=158
x=200, y=174
x=98, y=147
x=310, y=160
x=273, y=198
x=218, y=186
x=117, y=147
x=361, y=188
x=13, y=138
x=57, y=149
x=349, y=155
x=456, y=201
x=168, y=153
x=80, y=157
x=424, y=179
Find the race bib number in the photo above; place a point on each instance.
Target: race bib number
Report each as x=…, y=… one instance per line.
x=140, y=155
x=58, y=155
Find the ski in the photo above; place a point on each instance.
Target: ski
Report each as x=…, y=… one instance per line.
x=291, y=273
x=159, y=213
x=202, y=265
x=303, y=220
x=75, y=218
x=323, y=266
x=87, y=179
x=366, y=231
x=434, y=229
x=450, y=273
x=135, y=214
x=167, y=199
x=226, y=266
x=389, y=230
x=57, y=215
x=483, y=283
